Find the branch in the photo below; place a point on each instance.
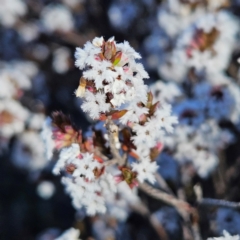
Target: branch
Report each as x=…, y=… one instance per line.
x=113, y=141
x=162, y=183
x=189, y=214
x=213, y=202
x=111, y=162
x=158, y=228
x=182, y=207
x=219, y=203
x=185, y=210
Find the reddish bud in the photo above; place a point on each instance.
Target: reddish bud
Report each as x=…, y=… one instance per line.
x=129, y=176
x=150, y=99
x=117, y=58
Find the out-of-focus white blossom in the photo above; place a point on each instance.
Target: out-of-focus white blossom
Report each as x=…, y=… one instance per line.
x=11, y=10
x=12, y=117
x=29, y=31
x=165, y=92
x=70, y=234
x=15, y=77
x=202, y=45
x=57, y=18
x=61, y=60
x=45, y=189
x=28, y=151
x=220, y=96
x=198, y=146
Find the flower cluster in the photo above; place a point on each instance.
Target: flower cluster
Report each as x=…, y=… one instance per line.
x=113, y=91
x=15, y=79
x=192, y=57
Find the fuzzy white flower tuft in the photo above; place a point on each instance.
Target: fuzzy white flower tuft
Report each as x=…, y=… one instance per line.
x=57, y=18
x=145, y=170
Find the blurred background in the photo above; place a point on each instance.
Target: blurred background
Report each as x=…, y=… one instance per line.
x=190, y=50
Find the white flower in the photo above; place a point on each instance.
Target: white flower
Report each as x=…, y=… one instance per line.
x=95, y=104
x=145, y=170
x=85, y=166
x=57, y=17
x=133, y=114
x=145, y=135
x=128, y=50
x=71, y=152
x=88, y=194
x=164, y=119
x=98, y=41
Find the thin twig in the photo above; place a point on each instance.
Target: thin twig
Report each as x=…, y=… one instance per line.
x=161, y=181
x=110, y=126
x=184, y=208
x=159, y=228
x=111, y=162
x=219, y=203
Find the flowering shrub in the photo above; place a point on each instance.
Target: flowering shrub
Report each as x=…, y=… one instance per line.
x=131, y=170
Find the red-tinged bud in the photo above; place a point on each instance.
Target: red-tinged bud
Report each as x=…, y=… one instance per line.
x=128, y=176
x=99, y=159
x=63, y=132
x=159, y=146
x=155, y=151
x=117, y=58
x=109, y=50
x=103, y=117
x=130, y=124
x=150, y=99
x=99, y=57
x=202, y=41
x=118, y=178
x=65, y=138
x=143, y=118
x=98, y=172
x=87, y=146
x=60, y=120
x=153, y=108
x=118, y=114
x=70, y=168
x=81, y=88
